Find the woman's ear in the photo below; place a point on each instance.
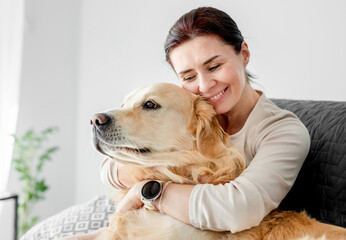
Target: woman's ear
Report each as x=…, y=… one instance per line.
x=210, y=137
x=245, y=53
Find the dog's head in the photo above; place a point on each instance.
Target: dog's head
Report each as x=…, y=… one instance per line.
x=156, y=120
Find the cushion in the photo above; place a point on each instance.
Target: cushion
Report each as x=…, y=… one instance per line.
x=320, y=186
x=76, y=220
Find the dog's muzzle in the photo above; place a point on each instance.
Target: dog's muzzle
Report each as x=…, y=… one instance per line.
x=108, y=137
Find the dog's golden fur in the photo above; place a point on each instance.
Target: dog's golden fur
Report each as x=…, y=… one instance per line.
x=179, y=139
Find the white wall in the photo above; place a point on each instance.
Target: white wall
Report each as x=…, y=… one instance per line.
x=48, y=94
x=82, y=57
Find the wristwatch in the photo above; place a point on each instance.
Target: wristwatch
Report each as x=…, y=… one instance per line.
x=150, y=192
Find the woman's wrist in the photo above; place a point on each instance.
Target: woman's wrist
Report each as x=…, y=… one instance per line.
x=158, y=202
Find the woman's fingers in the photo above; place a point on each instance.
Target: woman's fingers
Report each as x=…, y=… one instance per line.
x=132, y=199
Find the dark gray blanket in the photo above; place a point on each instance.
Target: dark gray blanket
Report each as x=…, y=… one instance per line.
x=320, y=188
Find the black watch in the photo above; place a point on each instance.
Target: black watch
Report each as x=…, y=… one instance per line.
x=150, y=192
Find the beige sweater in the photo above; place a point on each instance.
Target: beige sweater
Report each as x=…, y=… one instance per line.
x=275, y=144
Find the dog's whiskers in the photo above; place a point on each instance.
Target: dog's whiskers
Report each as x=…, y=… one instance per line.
x=136, y=143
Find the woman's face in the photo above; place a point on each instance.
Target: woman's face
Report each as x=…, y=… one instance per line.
x=208, y=67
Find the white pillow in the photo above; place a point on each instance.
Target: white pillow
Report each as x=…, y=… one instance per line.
x=79, y=219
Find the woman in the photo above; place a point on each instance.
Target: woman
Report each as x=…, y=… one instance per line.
x=209, y=55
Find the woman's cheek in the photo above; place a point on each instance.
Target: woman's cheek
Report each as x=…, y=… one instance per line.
x=190, y=86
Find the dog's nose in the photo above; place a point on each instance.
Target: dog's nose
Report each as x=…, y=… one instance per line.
x=99, y=119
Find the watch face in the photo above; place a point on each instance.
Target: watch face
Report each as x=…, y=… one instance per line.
x=151, y=189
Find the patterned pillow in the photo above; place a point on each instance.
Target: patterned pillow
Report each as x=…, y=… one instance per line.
x=79, y=219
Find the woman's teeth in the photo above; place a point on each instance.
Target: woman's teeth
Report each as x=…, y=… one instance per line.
x=217, y=96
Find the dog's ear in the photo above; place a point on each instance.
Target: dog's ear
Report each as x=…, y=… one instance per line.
x=210, y=137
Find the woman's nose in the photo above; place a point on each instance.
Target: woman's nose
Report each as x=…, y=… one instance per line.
x=205, y=83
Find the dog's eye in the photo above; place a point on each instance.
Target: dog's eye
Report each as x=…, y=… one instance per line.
x=150, y=105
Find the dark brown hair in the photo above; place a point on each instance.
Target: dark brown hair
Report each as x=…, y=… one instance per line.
x=204, y=21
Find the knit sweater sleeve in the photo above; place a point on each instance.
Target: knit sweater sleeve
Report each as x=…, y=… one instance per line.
x=279, y=146
x=109, y=174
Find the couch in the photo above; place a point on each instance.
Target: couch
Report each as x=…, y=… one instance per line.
x=320, y=188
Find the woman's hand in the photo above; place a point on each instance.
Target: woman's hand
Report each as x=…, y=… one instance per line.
x=175, y=202
x=129, y=175
x=132, y=199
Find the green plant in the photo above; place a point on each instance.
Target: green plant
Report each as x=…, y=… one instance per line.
x=29, y=157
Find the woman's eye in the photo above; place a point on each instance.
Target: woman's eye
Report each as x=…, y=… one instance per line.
x=188, y=78
x=214, y=67
x=150, y=105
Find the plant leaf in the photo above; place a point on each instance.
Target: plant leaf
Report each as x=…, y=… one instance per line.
x=41, y=186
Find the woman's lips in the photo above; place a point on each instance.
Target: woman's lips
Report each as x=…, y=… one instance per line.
x=218, y=96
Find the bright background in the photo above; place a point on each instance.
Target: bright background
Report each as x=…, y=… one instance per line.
x=82, y=57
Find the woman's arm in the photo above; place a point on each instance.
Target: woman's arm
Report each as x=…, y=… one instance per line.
x=174, y=202
x=280, y=147
x=128, y=175
x=119, y=176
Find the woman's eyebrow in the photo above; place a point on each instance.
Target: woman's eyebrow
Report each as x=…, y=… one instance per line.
x=185, y=71
x=205, y=63
x=211, y=59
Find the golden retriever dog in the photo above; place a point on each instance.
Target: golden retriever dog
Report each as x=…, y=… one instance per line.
x=174, y=135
